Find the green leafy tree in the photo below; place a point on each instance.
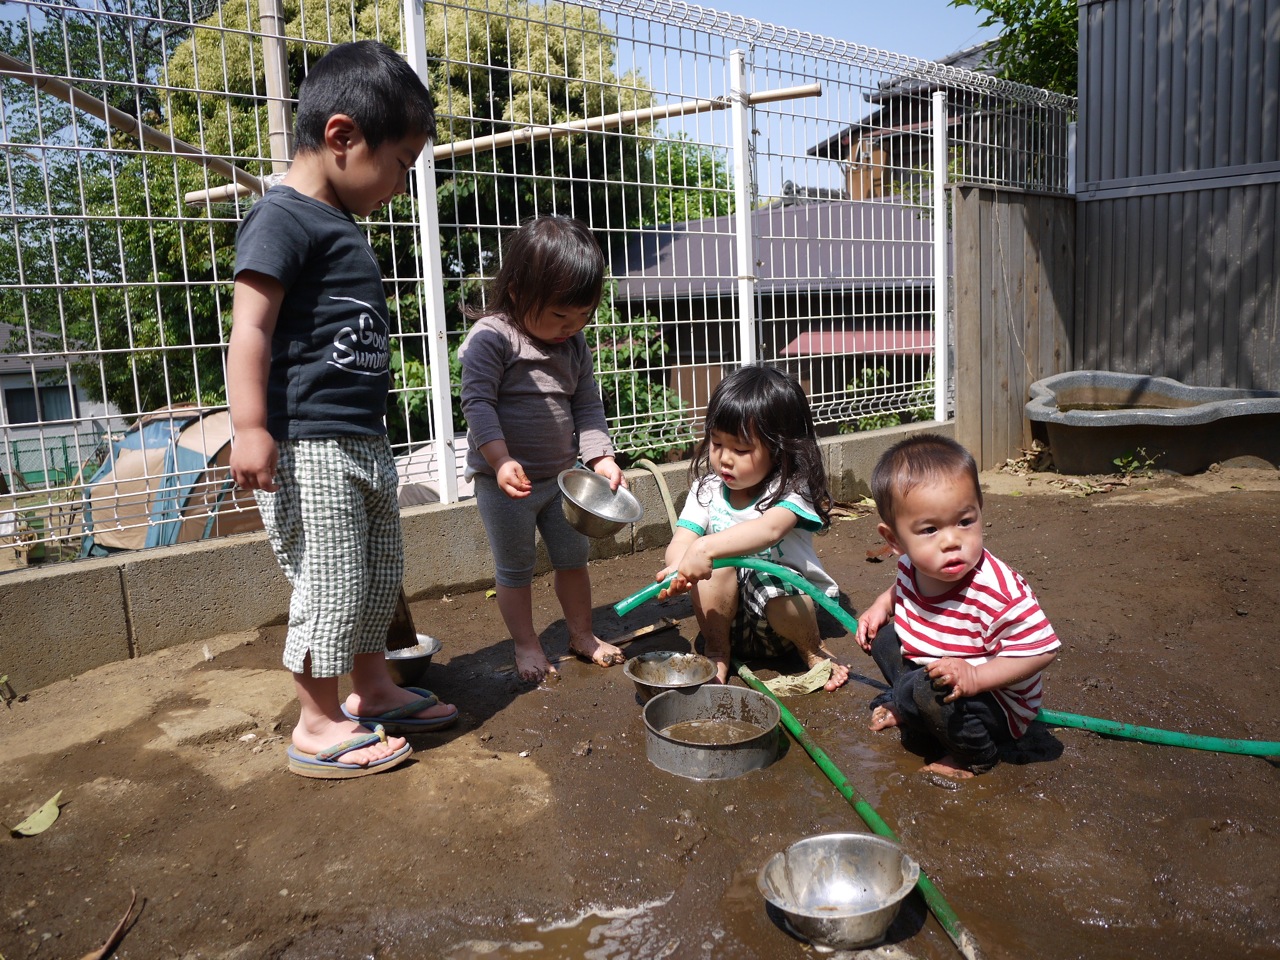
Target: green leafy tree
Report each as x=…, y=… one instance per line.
x=693, y=182
x=510, y=64
x=1037, y=43
x=86, y=206
x=629, y=357
x=151, y=276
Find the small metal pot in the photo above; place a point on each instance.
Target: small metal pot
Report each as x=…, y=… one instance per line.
x=661, y=670
x=592, y=508
x=711, y=761
x=408, y=664
x=839, y=890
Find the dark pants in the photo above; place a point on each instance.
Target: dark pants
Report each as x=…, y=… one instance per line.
x=972, y=729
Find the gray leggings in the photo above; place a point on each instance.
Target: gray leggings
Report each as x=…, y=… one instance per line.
x=510, y=526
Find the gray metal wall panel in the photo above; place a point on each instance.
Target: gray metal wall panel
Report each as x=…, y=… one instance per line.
x=1183, y=285
x=1171, y=86
x=1178, y=274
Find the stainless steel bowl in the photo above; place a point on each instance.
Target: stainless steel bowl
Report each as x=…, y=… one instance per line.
x=592, y=508
x=660, y=670
x=749, y=719
x=839, y=890
x=408, y=664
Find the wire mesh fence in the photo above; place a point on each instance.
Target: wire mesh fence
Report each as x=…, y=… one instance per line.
x=761, y=194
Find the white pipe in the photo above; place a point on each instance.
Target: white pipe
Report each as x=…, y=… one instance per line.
x=746, y=258
x=536, y=133
x=940, y=298
x=432, y=274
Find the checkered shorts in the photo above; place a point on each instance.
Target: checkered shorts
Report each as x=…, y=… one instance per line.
x=334, y=525
x=751, y=636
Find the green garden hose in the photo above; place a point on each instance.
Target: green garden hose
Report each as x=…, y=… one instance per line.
x=1110, y=728
x=1113, y=728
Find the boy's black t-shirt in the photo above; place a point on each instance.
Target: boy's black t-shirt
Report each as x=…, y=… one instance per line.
x=329, y=354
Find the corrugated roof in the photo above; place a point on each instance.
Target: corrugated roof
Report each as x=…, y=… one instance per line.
x=881, y=342
x=840, y=245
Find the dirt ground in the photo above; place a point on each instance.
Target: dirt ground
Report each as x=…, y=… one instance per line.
x=537, y=827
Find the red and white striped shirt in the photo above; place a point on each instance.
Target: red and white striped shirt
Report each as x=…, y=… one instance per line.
x=990, y=613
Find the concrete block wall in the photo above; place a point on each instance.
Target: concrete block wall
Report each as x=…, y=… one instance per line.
x=62, y=620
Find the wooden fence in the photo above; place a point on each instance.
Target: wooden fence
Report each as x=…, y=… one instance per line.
x=1015, y=276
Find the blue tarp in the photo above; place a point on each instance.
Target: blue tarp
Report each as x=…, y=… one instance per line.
x=182, y=469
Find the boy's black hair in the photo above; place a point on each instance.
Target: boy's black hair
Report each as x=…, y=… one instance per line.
x=920, y=459
x=371, y=84
x=548, y=261
x=763, y=403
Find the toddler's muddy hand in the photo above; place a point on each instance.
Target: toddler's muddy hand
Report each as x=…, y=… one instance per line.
x=943, y=677
x=677, y=585
x=866, y=633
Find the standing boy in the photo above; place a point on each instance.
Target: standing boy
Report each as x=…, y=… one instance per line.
x=960, y=637
x=307, y=380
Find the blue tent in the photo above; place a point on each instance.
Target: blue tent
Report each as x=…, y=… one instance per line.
x=166, y=480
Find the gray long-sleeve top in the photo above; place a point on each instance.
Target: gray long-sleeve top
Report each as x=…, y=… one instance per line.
x=541, y=398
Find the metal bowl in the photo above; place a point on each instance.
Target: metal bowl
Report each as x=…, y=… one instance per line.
x=592, y=508
x=660, y=670
x=408, y=664
x=839, y=890
x=683, y=731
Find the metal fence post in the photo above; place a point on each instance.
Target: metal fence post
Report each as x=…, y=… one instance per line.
x=940, y=299
x=432, y=274
x=742, y=198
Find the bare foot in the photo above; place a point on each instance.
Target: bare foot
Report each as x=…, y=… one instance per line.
x=722, y=670
x=532, y=663
x=596, y=650
x=395, y=697
x=839, y=674
x=328, y=733
x=882, y=718
x=948, y=767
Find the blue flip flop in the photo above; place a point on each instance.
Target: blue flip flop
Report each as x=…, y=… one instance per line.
x=326, y=764
x=401, y=719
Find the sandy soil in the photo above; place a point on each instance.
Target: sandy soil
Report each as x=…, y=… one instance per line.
x=537, y=827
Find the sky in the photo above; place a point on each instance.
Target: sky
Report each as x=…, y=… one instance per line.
x=928, y=29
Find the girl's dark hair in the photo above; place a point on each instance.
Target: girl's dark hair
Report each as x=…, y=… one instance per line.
x=763, y=403
x=548, y=261
x=371, y=84
x=910, y=463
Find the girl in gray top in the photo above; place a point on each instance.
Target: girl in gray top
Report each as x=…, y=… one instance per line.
x=533, y=409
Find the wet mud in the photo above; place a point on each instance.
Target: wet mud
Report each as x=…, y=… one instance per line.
x=536, y=826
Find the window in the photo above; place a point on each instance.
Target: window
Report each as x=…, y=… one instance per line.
x=27, y=405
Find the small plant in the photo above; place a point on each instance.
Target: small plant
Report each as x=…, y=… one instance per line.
x=1136, y=464
x=876, y=387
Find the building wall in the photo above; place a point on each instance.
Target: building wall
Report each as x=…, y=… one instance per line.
x=1179, y=190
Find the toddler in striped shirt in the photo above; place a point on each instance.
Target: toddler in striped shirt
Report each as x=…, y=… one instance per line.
x=959, y=637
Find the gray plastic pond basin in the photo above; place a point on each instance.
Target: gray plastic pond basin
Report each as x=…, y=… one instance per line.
x=1091, y=418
